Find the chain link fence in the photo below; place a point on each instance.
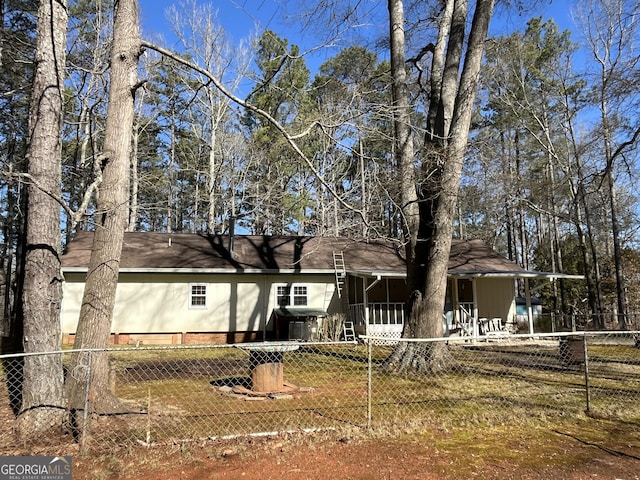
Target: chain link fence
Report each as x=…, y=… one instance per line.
x=554, y=322
x=169, y=395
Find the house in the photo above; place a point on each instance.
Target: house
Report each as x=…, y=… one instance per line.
x=191, y=288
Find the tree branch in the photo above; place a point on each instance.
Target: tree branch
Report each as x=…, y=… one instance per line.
x=76, y=215
x=290, y=138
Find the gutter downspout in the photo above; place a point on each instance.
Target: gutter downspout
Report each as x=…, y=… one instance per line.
x=378, y=278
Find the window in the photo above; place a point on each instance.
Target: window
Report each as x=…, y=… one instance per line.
x=300, y=295
x=198, y=296
x=283, y=295
x=295, y=295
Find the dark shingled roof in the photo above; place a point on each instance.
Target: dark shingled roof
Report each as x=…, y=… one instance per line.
x=143, y=250
x=475, y=256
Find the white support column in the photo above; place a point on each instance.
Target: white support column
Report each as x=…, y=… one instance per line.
x=366, y=296
x=527, y=293
x=365, y=302
x=455, y=305
x=263, y=297
x=386, y=285
x=474, y=289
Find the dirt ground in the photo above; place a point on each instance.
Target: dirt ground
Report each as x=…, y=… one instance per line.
x=494, y=454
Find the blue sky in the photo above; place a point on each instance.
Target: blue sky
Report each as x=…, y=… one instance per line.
x=559, y=10
x=240, y=18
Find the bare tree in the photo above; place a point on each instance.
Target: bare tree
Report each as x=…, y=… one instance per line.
x=611, y=31
x=42, y=384
x=429, y=201
x=291, y=139
x=205, y=39
x=94, y=327
x=89, y=44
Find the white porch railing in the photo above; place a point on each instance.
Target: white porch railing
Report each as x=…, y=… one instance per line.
x=464, y=319
x=379, y=313
x=385, y=320
x=392, y=313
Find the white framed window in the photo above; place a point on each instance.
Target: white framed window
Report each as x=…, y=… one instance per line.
x=198, y=295
x=299, y=295
x=292, y=295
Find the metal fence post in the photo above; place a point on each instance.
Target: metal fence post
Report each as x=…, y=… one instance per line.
x=369, y=368
x=586, y=373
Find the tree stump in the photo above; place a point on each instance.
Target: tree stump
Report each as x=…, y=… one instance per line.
x=267, y=372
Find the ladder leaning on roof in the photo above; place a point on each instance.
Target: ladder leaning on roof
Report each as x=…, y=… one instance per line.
x=338, y=265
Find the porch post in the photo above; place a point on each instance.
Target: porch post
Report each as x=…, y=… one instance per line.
x=263, y=298
x=386, y=285
x=527, y=296
x=455, y=305
x=365, y=302
x=474, y=289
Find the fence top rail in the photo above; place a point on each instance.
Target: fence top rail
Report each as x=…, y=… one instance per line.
x=247, y=346
x=519, y=336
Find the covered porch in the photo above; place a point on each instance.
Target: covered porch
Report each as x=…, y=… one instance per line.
x=376, y=302
x=474, y=306
x=485, y=303
x=478, y=304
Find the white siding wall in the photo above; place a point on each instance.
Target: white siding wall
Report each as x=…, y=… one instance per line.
x=496, y=298
x=159, y=303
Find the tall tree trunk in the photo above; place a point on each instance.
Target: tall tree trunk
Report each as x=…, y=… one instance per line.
x=585, y=238
x=42, y=384
x=589, y=271
x=597, y=307
x=612, y=39
x=171, y=174
x=522, y=227
x=98, y=302
x=134, y=179
x=587, y=246
x=216, y=109
x=406, y=355
x=429, y=208
x=607, y=134
x=214, y=172
x=363, y=190
x=621, y=292
x=138, y=128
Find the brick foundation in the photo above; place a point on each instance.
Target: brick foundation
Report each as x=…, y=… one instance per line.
x=188, y=338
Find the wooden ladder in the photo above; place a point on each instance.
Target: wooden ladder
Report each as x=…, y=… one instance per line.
x=348, y=332
x=338, y=265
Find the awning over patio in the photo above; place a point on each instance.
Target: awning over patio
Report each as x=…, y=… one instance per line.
x=524, y=274
x=299, y=312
